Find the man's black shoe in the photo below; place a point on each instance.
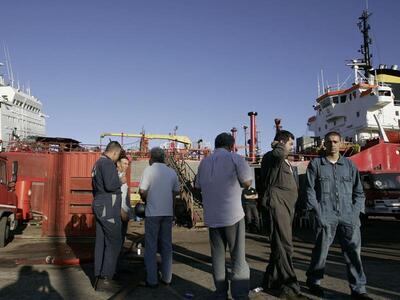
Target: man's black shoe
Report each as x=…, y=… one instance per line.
x=363, y=296
x=315, y=289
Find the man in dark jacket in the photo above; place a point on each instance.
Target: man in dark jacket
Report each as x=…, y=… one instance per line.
x=335, y=194
x=107, y=210
x=280, y=196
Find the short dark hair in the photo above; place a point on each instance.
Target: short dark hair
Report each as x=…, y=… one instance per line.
x=123, y=155
x=113, y=146
x=330, y=133
x=283, y=135
x=157, y=154
x=224, y=140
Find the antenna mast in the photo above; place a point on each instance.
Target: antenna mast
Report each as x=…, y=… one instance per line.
x=364, y=27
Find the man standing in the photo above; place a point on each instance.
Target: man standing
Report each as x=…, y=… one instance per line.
x=220, y=178
x=250, y=203
x=158, y=188
x=107, y=210
x=335, y=194
x=126, y=209
x=280, y=196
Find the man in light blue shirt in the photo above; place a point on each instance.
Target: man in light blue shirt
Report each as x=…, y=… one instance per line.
x=221, y=178
x=158, y=188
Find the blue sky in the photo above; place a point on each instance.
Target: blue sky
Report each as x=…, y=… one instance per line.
x=113, y=66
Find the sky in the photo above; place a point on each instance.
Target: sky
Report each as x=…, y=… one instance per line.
x=123, y=65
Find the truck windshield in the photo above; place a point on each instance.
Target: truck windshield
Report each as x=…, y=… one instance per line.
x=389, y=181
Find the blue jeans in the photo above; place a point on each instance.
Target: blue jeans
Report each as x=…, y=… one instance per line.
x=158, y=230
x=349, y=236
x=233, y=236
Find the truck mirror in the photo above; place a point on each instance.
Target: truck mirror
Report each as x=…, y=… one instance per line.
x=14, y=171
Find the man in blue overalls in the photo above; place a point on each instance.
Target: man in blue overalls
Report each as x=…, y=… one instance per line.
x=335, y=194
x=107, y=210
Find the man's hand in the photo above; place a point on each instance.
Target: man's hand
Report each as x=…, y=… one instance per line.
x=274, y=144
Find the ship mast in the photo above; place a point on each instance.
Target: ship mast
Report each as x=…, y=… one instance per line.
x=364, y=28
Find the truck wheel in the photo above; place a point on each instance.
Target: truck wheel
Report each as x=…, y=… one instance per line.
x=4, y=231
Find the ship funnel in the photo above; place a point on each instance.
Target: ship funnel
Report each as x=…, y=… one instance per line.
x=253, y=138
x=234, y=134
x=395, y=67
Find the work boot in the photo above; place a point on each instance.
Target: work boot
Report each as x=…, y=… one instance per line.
x=315, y=289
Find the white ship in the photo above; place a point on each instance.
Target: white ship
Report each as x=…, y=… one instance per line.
x=356, y=111
x=21, y=114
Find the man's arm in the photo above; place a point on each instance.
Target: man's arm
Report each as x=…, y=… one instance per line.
x=143, y=195
x=278, y=151
x=144, y=185
x=111, y=179
x=358, y=192
x=244, y=173
x=311, y=203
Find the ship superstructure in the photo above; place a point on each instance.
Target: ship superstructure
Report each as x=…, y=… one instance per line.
x=21, y=113
x=372, y=99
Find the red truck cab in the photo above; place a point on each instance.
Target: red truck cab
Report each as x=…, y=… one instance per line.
x=9, y=212
x=382, y=193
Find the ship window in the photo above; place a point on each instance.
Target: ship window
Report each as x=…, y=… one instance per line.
x=325, y=103
x=326, y=126
x=384, y=93
x=319, y=128
x=334, y=123
x=397, y=112
x=342, y=99
x=335, y=100
x=358, y=114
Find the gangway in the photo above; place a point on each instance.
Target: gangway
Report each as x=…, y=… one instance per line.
x=191, y=203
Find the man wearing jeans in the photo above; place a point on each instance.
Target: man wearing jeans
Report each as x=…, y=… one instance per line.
x=335, y=194
x=158, y=188
x=220, y=179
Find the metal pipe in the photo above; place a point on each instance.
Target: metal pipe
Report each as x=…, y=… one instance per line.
x=253, y=142
x=245, y=140
x=234, y=134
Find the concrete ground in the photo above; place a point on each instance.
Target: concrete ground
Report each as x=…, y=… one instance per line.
x=24, y=273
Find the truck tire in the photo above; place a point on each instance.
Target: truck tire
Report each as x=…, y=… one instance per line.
x=4, y=231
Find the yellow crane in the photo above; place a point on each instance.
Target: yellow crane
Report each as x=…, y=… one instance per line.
x=145, y=137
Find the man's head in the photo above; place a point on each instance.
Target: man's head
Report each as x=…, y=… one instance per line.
x=113, y=150
x=332, y=143
x=157, y=155
x=286, y=138
x=224, y=140
x=123, y=162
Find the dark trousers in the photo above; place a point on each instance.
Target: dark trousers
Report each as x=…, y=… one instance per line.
x=251, y=215
x=108, y=243
x=279, y=273
x=233, y=236
x=350, y=241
